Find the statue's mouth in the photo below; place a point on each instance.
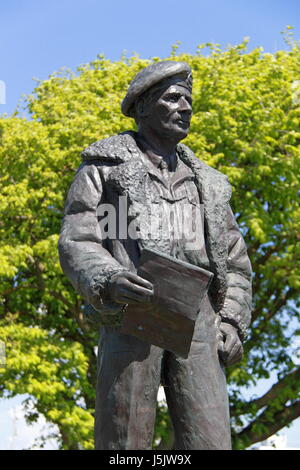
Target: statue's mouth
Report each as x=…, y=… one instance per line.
x=185, y=122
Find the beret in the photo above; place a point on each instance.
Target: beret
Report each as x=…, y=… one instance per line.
x=150, y=76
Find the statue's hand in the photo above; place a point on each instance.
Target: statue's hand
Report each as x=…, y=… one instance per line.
x=230, y=347
x=129, y=288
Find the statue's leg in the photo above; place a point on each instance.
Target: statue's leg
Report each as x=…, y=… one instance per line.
x=127, y=385
x=196, y=390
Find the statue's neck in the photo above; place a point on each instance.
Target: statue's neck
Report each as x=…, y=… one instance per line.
x=161, y=146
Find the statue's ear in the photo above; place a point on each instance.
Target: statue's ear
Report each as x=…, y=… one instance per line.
x=142, y=107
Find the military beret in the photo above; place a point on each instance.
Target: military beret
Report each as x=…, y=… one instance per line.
x=149, y=77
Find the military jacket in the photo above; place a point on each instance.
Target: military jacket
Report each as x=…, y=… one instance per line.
x=115, y=173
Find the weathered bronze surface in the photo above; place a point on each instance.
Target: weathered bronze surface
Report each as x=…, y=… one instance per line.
x=144, y=190
x=168, y=321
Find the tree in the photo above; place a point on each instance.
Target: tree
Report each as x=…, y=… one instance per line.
x=246, y=124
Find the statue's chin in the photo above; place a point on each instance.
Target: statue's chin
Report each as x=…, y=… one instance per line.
x=180, y=134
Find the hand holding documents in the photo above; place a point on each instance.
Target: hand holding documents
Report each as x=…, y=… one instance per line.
x=169, y=320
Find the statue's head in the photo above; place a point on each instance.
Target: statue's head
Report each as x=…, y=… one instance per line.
x=160, y=97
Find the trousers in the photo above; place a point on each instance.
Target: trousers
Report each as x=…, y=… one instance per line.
x=130, y=372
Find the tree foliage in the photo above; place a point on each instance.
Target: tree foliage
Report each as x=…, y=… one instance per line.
x=246, y=123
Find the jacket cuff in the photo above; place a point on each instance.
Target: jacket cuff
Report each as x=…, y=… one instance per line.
x=98, y=290
x=234, y=319
x=110, y=315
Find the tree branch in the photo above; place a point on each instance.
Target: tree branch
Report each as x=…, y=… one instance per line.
x=281, y=302
x=290, y=380
x=265, y=295
x=269, y=423
x=277, y=306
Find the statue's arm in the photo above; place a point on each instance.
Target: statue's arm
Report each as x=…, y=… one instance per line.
x=237, y=306
x=83, y=256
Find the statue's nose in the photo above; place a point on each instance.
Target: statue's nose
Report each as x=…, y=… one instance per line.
x=185, y=106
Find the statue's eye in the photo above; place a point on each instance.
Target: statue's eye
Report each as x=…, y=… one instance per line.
x=173, y=98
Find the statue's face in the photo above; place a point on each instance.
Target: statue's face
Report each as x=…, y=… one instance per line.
x=170, y=114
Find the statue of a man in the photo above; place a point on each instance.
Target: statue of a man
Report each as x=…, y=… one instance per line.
x=150, y=169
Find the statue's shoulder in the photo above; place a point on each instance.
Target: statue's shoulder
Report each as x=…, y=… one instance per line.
x=116, y=148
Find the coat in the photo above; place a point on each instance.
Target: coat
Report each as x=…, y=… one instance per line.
x=113, y=167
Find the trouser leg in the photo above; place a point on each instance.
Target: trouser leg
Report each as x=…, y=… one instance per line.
x=127, y=385
x=196, y=390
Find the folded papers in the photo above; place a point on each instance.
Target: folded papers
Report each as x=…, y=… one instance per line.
x=168, y=321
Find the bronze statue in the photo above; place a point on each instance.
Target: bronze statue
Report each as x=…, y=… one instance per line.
x=131, y=190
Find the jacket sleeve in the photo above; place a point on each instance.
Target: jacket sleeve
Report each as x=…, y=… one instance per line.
x=238, y=301
x=83, y=256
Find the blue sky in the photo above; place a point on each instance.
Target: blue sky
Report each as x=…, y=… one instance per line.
x=38, y=37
